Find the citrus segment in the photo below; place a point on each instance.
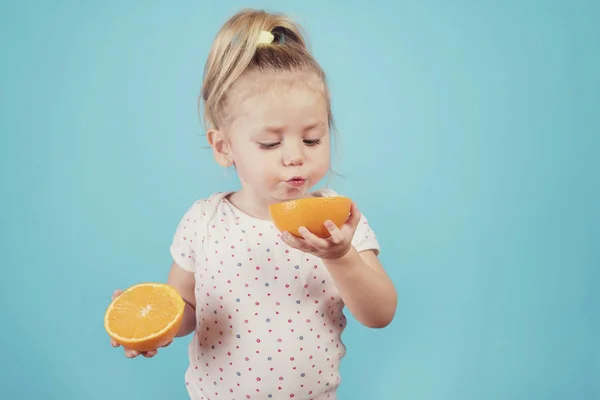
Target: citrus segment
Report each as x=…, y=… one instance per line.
x=311, y=213
x=145, y=316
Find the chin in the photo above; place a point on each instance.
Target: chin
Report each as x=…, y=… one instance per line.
x=291, y=194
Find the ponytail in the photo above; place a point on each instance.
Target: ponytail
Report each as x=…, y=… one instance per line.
x=252, y=40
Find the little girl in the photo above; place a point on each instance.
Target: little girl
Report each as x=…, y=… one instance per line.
x=265, y=307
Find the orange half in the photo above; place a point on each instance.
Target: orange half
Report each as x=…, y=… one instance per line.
x=310, y=212
x=145, y=317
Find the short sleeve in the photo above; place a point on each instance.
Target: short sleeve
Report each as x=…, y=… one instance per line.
x=188, y=237
x=364, y=237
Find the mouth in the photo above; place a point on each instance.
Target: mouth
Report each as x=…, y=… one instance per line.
x=296, y=181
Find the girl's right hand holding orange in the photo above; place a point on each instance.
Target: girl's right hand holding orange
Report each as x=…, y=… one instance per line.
x=130, y=353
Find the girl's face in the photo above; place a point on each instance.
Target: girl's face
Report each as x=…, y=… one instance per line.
x=279, y=139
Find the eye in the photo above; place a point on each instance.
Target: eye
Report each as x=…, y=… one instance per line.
x=267, y=146
x=312, y=142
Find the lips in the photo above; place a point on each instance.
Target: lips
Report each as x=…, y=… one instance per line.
x=296, y=181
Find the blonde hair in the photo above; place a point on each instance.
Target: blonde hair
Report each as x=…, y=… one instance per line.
x=239, y=48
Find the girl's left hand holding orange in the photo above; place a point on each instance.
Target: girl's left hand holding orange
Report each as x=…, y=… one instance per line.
x=331, y=248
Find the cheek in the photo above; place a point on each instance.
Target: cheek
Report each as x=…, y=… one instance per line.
x=321, y=158
x=254, y=166
x=324, y=165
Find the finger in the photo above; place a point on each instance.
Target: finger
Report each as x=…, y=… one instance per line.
x=291, y=240
x=313, y=239
x=131, y=353
x=167, y=344
x=294, y=241
x=354, y=218
x=149, y=354
x=116, y=293
x=336, y=235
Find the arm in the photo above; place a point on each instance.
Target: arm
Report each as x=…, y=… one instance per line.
x=364, y=286
x=184, y=282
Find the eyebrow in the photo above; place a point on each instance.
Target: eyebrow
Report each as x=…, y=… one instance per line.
x=313, y=126
x=280, y=129
x=273, y=129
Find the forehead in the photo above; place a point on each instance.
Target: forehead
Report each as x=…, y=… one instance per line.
x=279, y=99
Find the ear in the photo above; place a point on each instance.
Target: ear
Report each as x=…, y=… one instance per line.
x=220, y=146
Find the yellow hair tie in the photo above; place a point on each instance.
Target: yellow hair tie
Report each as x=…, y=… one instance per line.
x=265, y=37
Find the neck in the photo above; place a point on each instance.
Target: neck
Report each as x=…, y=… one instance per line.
x=254, y=204
x=250, y=204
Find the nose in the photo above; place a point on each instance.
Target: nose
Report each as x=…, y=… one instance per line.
x=295, y=160
x=293, y=155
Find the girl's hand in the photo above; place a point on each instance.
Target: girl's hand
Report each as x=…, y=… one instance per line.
x=129, y=353
x=333, y=247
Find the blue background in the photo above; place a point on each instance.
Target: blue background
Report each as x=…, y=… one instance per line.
x=469, y=137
